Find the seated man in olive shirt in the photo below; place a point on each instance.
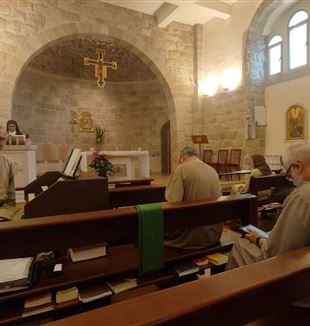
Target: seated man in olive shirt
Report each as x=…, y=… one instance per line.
x=193, y=179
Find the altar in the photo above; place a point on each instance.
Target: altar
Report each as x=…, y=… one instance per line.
x=126, y=164
x=24, y=163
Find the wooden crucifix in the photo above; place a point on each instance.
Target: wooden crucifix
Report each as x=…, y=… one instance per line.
x=101, y=66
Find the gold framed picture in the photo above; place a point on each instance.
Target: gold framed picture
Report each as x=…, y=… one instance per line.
x=86, y=121
x=295, y=123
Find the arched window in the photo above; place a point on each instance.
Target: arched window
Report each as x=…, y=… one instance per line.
x=275, y=55
x=298, y=39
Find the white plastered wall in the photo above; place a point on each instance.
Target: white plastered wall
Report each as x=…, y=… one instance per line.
x=279, y=98
x=223, y=39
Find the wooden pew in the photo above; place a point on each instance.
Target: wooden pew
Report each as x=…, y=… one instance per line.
x=118, y=227
x=235, y=297
x=267, y=181
x=136, y=195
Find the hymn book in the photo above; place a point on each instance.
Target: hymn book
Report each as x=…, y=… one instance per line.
x=93, y=292
x=38, y=309
x=217, y=258
x=38, y=304
x=67, y=295
x=186, y=268
x=118, y=285
x=88, y=252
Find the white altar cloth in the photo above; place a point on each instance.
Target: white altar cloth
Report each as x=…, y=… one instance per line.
x=126, y=164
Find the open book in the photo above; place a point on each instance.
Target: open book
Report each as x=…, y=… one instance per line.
x=72, y=162
x=15, y=273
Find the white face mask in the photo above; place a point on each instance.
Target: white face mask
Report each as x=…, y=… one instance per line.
x=297, y=178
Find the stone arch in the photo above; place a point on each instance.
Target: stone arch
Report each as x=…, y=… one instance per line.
x=254, y=52
x=38, y=42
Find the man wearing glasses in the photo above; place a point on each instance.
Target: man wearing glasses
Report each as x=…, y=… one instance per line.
x=291, y=230
x=7, y=186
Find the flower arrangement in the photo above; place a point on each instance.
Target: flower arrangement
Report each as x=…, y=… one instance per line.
x=101, y=164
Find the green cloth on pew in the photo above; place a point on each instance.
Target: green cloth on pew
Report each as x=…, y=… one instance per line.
x=150, y=237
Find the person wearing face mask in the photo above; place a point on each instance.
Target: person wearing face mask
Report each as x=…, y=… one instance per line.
x=291, y=230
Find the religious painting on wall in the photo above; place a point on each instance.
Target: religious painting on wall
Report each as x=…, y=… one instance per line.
x=86, y=121
x=295, y=123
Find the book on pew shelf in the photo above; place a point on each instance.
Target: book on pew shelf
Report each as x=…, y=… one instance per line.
x=67, y=295
x=88, y=252
x=17, y=274
x=118, y=285
x=202, y=261
x=94, y=292
x=250, y=227
x=38, y=309
x=186, y=268
x=38, y=300
x=217, y=258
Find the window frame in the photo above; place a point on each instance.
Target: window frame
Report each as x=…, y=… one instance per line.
x=269, y=47
x=289, y=28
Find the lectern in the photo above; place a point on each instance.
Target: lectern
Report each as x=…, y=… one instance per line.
x=200, y=139
x=24, y=160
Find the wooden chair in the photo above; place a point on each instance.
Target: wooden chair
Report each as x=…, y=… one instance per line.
x=222, y=157
x=234, y=163
x=207, y=156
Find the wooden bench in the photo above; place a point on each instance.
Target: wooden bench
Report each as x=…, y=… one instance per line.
x=234, y=297
x=119, y=228
x=264, y=182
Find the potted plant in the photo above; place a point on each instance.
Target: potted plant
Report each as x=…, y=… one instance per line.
x=101, y=164
x=100, y=133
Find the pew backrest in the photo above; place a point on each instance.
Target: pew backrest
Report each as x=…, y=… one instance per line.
x=115, y=226
x=264, y=182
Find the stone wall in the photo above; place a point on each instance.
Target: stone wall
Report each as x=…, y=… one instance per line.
x=28, y=27
x=132, y=113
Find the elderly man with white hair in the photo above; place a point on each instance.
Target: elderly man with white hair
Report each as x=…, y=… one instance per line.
x=292, y=229
x=7, y=186
x=193, y=179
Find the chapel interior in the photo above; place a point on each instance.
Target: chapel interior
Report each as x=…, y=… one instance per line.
x=233, y=73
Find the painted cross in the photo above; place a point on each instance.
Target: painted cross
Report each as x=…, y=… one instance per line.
x=101, y=66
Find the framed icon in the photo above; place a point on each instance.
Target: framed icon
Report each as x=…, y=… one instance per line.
x=86, y=121
x=296, y=123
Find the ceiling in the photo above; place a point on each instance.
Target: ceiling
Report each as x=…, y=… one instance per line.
x=67, y=59
x=183, y=11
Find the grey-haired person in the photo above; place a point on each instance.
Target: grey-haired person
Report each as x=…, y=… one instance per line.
x=193, y=179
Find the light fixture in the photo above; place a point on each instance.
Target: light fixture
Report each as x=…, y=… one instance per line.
x=230, y=79
x=209, y=86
